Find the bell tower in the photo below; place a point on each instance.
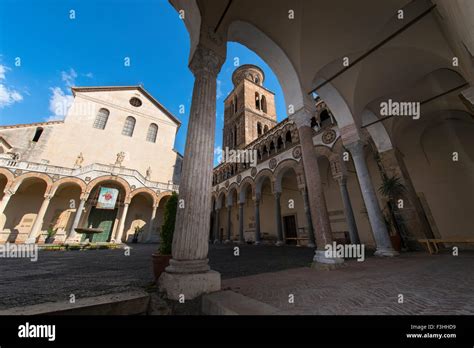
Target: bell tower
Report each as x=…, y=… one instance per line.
x=249, y=110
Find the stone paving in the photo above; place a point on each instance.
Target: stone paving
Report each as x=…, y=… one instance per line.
x=58, y=274
x=440, y=284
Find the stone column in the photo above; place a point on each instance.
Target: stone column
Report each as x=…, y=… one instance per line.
x=280, y=240
x=241, y=223
x=121, y=226
x=317, y=201
x=312, y=241
x=216, y=224
x=348, y=212
x=151, y=223
x=39, y=220
x=5, y=200
x=414, y=224
x=377, y=222
x=229, y=223
x=257, y=221
x=73, y=237
x=189, y=273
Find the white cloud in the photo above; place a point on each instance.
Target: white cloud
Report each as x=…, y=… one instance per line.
x=8, y=96
x=69, y=78
x=218, y=154
x=219, y=90
x=59, y=104
x=89, y=75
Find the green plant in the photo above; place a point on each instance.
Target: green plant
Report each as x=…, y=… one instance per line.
x=392, y=187
x=167, y=230
x=51, y=231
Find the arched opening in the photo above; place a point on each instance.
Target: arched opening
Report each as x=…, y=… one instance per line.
x=265, y=129
x=101, y=119
x=23, y=208
x=138, y=217
x=279, y=143
x=259, y=129
x=263, y=103
x=152, y=133
x=129, y=126
x=257, y=101
x=288, y=138
x=325, y=119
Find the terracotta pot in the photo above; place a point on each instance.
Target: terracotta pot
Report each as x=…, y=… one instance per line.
x=160, y=262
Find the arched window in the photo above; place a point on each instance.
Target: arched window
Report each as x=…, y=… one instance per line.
x=101, y=119
x=257, y=101
x=38, y=133
x=272, y=147
x=152, y=132
x=288, y=137
x=279, y=143
x=259, y=129
x=129, y=126
x=313, y=122
x=235, y=104
x=263, y=103
x=265, y=129
x=257, y=80
x=325, y=119
x=235, y=135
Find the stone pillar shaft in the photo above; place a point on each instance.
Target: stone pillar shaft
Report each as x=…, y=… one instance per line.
x=317, y=201
x=216, y=224
x=39, y=220
x=312, y=241
x=279, y=226
x=72, y=233
x=257, y=222
x=229, y=222
x=190, y=246
x=376, y=219
x=241, y=223
x=151, y=224
x=121, y=226
x=348, y=212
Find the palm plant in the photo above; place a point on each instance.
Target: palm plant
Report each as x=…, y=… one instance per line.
x=392, y=187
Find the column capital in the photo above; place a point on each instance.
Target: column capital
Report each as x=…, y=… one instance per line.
x=356, y=148
x=206, y=60
x=48, y=196
x=302, y=117
x=277, y=195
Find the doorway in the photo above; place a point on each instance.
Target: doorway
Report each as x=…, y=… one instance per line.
x=289, y=224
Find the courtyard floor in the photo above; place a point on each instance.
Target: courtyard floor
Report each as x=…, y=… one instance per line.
x=439, y=284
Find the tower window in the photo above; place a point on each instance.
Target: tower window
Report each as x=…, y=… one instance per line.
x=288, y=137
x=129, y=126
x=235, y=104
x=152, y=132
x=259, y=129
x=265, y=129
x=38, y=133
x=257, y=101
x=101, y=119
x=263, y=103
x=257, y=80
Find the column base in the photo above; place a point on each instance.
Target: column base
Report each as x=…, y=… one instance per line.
x=321, y=261
x=279, y=243
x=386, y=253
x=191, y=285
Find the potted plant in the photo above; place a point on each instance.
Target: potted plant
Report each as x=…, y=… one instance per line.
x=392, y=189
x=162, y=256
x=138, y=230
x=50, y=236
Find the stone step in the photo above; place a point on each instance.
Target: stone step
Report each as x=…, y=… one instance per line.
x=125, y=303
x=231, y=303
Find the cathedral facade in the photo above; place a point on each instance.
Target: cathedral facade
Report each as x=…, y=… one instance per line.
x=97, y=169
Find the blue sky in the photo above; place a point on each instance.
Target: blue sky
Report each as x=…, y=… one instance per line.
x=56, y=52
